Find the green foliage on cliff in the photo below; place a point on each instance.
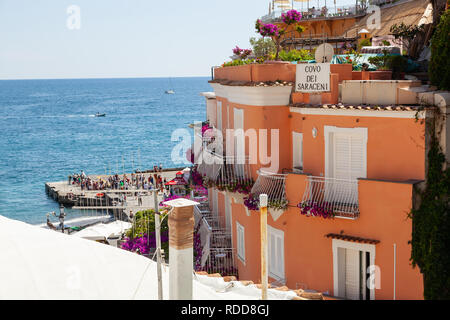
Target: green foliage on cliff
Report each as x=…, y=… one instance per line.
x=439, y=69
x=431, y=228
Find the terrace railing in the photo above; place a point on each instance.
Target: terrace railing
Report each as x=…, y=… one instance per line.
x=210, y=165
x=330, y=12
x=272, y=184
x=217, y=250
x=221, y=260
x=337, y=196
x=226, y=172
x=235, y=174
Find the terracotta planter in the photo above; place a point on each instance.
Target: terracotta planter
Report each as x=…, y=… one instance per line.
x=344, y=71
x=273, y=72
x=380, y=75
x=365, y=75
x=356, y=75
x=235, y=73
x=276, y=62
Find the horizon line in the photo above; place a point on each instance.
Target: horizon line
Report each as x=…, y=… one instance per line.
x=104, y=78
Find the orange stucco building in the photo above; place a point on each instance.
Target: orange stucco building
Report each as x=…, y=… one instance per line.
x=359, y=162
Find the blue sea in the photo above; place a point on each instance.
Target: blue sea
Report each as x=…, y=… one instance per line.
x=48, y=131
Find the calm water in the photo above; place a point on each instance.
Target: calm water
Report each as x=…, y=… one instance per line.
x=48, y=131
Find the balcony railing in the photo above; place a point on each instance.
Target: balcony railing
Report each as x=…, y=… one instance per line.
x=274, y=185
x=227, y=173
x=322, y=13
x=210, y=165
x=235, y=175
x=216, y=246
x=336, y=196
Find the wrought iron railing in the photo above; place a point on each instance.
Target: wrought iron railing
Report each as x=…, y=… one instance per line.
x=217, y=251
x=336, y=196
x=235, y=175
x=226, y=173
x=330, y=12
x=274, y=185
x=210, y=165
x=221, y=260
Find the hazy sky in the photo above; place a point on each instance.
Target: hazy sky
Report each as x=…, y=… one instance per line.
x=123, y=38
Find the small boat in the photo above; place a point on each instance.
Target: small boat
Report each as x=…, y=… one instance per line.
x=170, y=92
x=100, y=114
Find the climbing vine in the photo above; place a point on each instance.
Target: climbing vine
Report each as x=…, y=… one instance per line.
x=431, y=225
x=439, y=68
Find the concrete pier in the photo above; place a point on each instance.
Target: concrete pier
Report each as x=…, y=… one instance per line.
x=118, y=202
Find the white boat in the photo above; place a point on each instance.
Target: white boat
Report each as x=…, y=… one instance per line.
x=170, y=91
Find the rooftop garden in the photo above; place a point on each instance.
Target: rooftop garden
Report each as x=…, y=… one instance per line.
x=267, y=48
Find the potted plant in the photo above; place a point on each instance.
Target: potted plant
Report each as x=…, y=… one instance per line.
x=398, y=65
x=313, y=209
x=383, y=70
x=292, y=17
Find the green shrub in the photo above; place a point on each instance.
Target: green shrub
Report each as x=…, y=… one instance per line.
x=381, y=62
x=296, y=55
x=239, y=62
x=439, y=68
x=397, y=64
x=364, y=43
x=145, y=223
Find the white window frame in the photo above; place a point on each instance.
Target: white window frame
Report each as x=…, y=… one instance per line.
x=328, y=131
x=240, y=230
x=227, y=211
x=354, y=246
x=219, y=115
x=215, y=202
x=297, y=155
x=280, y=234
x=238, y=123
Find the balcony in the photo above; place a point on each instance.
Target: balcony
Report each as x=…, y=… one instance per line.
x=325, y=13
x=332, y=197
x=209, y=165
x=274, y=185
x=235, y=175
x=226, y=173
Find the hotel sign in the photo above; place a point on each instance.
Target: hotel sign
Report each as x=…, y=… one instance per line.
x=313, y=77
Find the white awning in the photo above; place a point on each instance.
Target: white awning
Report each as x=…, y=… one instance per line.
x=103, y=231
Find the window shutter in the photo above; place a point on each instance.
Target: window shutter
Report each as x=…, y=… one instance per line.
x=219, y=115
x=241, y=241
x=352, y=273
x=297, y=150
x=276, y=252
x=215, y=202
x=349, y=156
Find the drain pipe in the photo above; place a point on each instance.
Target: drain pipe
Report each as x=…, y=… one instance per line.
x=395, y=266
x=181, y=235
x=263, y=199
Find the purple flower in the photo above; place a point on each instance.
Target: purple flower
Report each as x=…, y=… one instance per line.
x=291, y=17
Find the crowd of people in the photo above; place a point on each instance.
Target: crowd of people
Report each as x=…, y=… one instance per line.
x=137, y=181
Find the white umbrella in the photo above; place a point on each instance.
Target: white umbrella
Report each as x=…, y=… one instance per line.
x=104, y=231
